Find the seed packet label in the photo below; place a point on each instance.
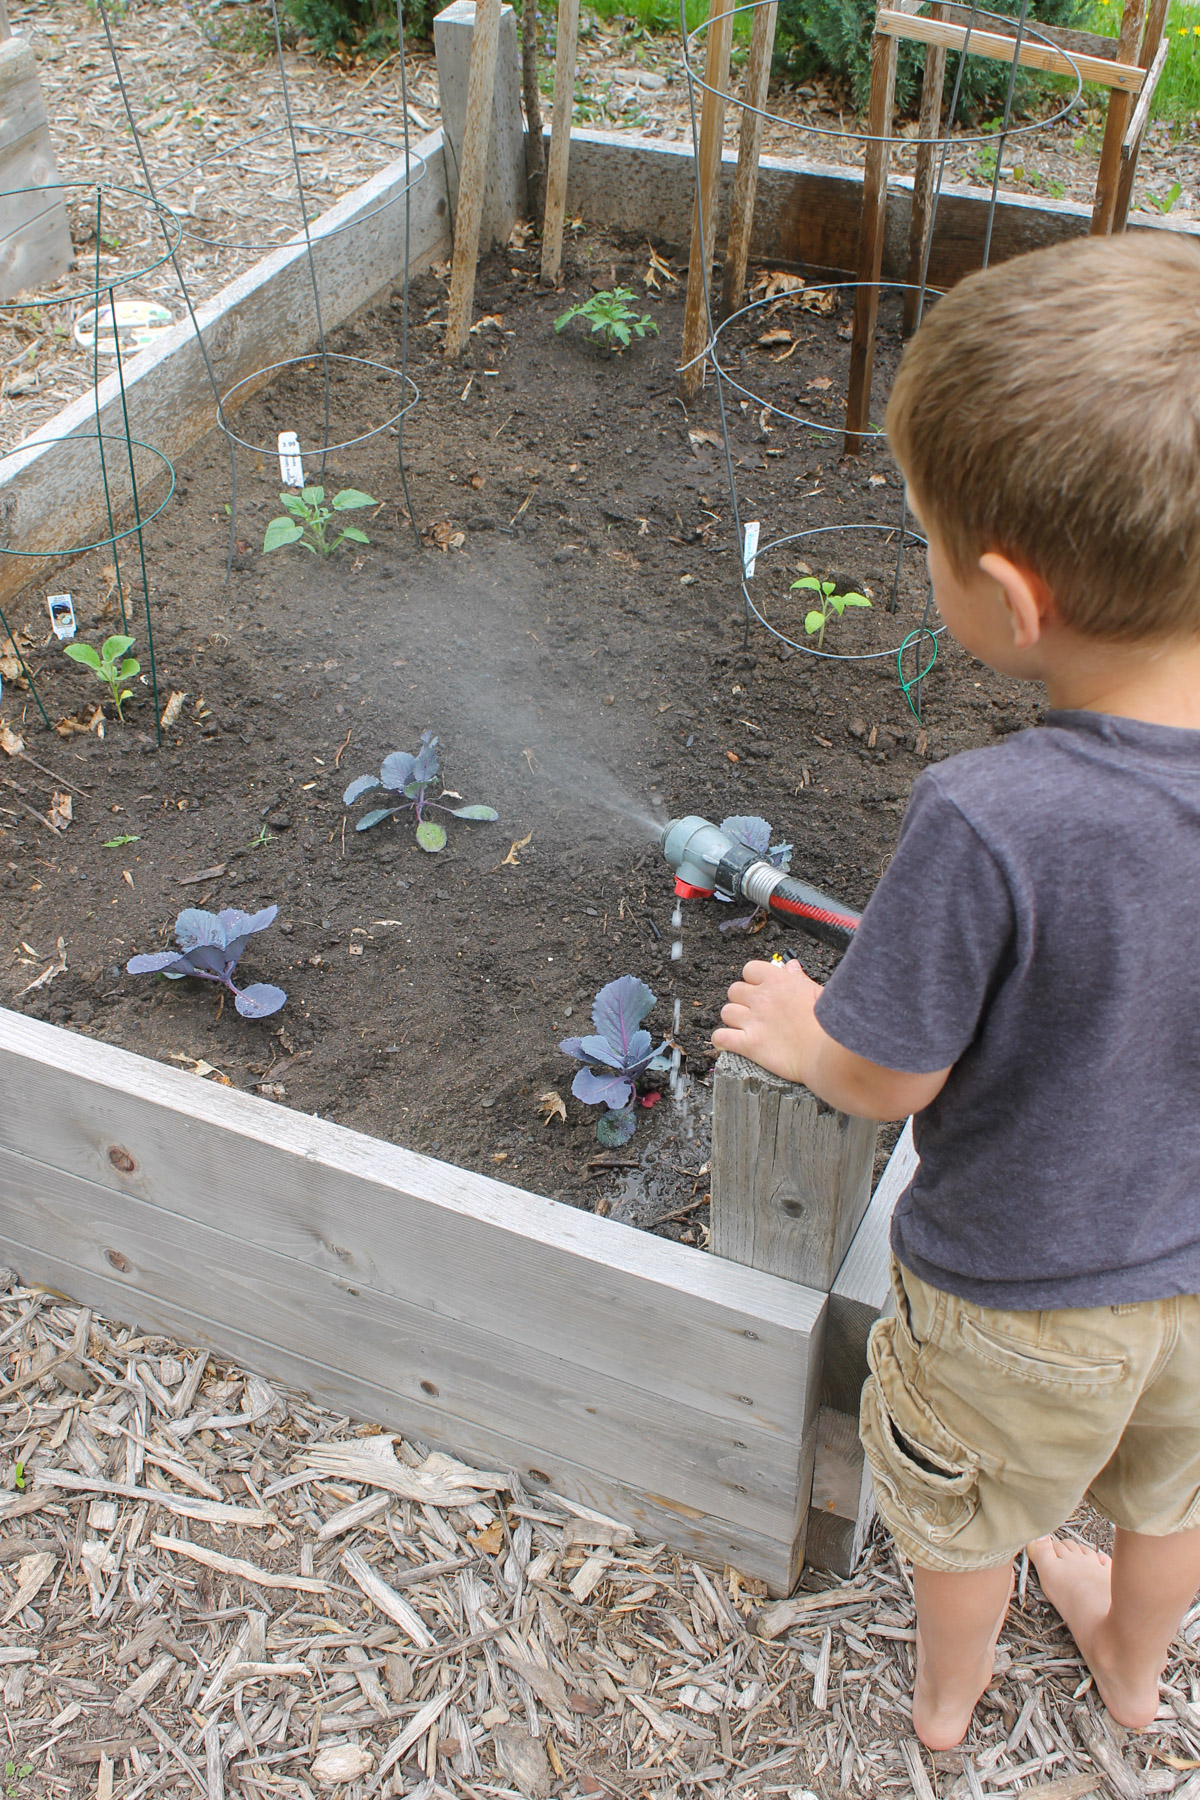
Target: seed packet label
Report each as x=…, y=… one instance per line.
x=750, y=546
x=291, y=469
x=62, y=615
x=133, y=324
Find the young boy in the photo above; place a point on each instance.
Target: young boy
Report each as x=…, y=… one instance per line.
x=1026, y=981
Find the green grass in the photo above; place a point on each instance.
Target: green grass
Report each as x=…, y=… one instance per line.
x=663, y=15
x=1178, y=97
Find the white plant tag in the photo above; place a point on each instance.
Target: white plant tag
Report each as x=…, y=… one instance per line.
x=291, y=469
x=750, y=533
x=62, y=615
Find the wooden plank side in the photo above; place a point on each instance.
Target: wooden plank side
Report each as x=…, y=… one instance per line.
x=465, y=1248
x=843, y=1499
x=808, y=213
x=1122, y=77
x=51, y=494
x=863, y=1286
x=476, y=1376
x=658, y=1517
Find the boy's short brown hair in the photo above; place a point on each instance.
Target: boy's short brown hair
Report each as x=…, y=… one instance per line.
x=1049, y=409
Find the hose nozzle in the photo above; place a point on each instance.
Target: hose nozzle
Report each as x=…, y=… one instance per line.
x=707, y=862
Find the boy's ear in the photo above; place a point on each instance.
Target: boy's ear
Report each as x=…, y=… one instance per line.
x=1029, y=602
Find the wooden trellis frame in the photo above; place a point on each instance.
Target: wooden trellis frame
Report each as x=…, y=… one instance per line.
x=1129, y=66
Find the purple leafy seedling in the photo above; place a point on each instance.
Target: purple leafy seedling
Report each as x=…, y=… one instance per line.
x=755, y=834
x=625, y=1052
x=411, y=777
x=210, y=945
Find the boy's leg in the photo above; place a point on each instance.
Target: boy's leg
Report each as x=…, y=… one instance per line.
x=1122, y=1612
x=959, y=1619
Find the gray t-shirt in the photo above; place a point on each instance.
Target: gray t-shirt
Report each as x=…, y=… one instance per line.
x=1039, y=929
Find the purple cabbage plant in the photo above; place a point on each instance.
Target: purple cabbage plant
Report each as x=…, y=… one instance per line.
x=209, y=946
x=755, y=834
x=412, y=776
x=625, y=1053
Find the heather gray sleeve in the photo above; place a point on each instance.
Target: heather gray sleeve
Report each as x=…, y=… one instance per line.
x=934, y=941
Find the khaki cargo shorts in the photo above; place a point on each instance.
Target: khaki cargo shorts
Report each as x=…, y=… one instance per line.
x=984, y=1429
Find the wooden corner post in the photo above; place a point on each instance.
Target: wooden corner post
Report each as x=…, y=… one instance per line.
x=791, y=1178
x=884, y=51
x=704, y=216
x=566, y=46
x=929, y=130
x=745, y=182
x=1120, y=104
x=472, y=173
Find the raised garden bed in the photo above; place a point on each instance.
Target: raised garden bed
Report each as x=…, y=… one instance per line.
x=578, y=648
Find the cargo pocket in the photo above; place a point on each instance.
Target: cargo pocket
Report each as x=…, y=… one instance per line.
x=923, y=1476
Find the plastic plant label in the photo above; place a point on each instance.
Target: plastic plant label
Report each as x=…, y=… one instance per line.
x=62, y=615
x=750, y=533
x=138, y=324
x=291, y=468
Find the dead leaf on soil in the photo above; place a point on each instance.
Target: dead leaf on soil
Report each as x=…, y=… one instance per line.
x=80, y=723
x=512, y=859
x=520, y=234
x=61, y=811
x=445, y=536
x=822, y=301
x=877, y=480
x=658, y=268
x=820, y=382
x=490, y=1541
x=11, y=742
x=773, y=282
x=489, y=320
x=702, y=436
x=196, y=1065
x=44, y=980
x=551, y=1105
x=768, y=340
x=172, y=709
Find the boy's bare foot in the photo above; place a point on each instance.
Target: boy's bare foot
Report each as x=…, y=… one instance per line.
x=941, y=1718
x=1077, y=1581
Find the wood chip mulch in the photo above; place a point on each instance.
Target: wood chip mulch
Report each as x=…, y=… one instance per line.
x=210, y=1585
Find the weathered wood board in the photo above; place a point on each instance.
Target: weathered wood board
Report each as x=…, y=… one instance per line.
x=654, y=1382
x=51, y=496
x=791, y=1178
x=503, y=192
x=843, y=1501
x=808, y=213
x=35, y=241
x=862, y=1291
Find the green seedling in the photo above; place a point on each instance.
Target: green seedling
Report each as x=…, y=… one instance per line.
x=14, y=1775
x=307, y=520
x=829, y=602
x=610, y=316
x=1163, y=203
x=112, y=666
x=19, y=1477
x=119, y=843
x=264, y=837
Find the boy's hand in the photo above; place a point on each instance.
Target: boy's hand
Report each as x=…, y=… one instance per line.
x=769, y=1018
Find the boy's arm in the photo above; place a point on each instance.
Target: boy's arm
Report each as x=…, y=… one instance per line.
x=769, y=1018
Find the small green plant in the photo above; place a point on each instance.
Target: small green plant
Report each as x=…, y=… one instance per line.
x=119, y=843
x=112, y=666
x=14, y=1775
x=411, y=777
x=306, y=521
x=611, y=317
x=828, y=602
x=1162, y=203
x=19, y=1477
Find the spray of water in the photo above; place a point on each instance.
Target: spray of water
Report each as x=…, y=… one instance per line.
x=677, y=928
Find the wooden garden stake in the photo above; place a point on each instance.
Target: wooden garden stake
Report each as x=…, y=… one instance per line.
x=745, y=182
x=566, y=46
x=870, y=243
x=480, y=88
x=704, y=217
x=1104, y=212
x=535, y=154
x=923, y=174
x=1153, y=56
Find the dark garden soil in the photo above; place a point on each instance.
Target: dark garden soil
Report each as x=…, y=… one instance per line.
x=578, y=648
